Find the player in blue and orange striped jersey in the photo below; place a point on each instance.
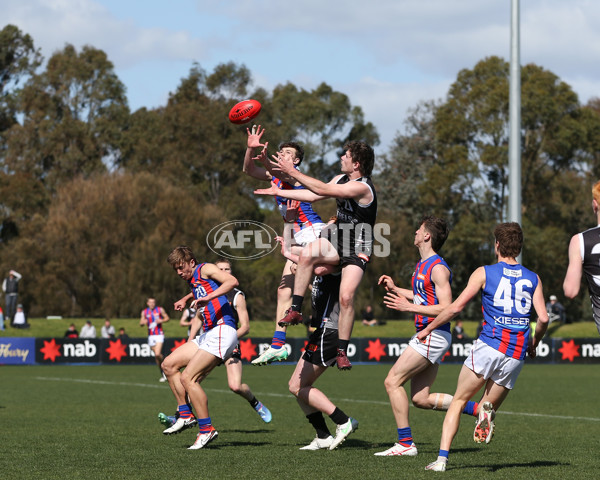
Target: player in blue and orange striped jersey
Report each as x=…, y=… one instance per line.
x=153, y=317
x=430, y=294
x=306, y=227
x=510, y=295
x=203, y=352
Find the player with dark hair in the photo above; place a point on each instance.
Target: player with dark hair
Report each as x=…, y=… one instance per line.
x=430, y=294
x=510, y=293
x=202, y=353
x=348, y=242
x=584, y=257
x=303, y=229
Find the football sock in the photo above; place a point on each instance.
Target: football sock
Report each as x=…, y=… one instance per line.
x=471, y=408
x=184, y=411
x=297, y=303
x=443, y=456
x=318, y=422
x=278, y=340
x=254, y=402
x=405, y=437
x=338, y=417
x=205, y=425
x=343, y=344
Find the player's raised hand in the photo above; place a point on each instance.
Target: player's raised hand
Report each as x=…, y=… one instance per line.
x=273, y=190
x=291, y=210
x=280, y=163
x=254, y=136
x=387, y=282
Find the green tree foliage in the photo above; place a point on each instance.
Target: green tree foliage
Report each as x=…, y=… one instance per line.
x=74, y=113
x=18, y=60
x=453, y=162
x=94, y=197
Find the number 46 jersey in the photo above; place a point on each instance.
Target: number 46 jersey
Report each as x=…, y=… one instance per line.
x=507, y=301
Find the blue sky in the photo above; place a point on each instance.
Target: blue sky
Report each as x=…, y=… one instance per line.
x=386, y=55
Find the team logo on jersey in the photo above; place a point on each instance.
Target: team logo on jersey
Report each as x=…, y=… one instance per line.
x=242, y=240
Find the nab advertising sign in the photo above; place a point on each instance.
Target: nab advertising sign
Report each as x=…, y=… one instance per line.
x=58, y=351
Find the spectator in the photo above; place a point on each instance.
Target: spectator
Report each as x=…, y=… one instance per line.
x=107, y=331
x=2, y=327
x=369, y=319
x=556, y=311
x=122, y=335
x=19, y=320
x=71, y=332
x=10, y=286
x=458, y=332
x=88, y=330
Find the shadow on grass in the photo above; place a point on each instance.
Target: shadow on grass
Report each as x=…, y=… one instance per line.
x=501, y=466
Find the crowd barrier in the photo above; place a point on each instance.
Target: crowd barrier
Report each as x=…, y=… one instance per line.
x=60, y=351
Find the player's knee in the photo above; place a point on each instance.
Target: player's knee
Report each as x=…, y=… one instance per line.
x=346, y=299
x=294, y=387
x=390, y=384
x=235, y=387
x=421, y=401
x=168, y=368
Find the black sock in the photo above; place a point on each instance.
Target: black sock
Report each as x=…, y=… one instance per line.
x=253, y=402
x=318, y=422
x=297, y=303
x=343, y=344
x=338, y=416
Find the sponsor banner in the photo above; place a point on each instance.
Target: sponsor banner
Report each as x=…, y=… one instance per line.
x=576, y=350
x=17, y=351
x=23, y=351
x=67, y=350
x=99, y=350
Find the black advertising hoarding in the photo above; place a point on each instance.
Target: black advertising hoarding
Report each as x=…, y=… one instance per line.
x=59, y=351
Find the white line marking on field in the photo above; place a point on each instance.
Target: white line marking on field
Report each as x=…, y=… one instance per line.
x=281, y=395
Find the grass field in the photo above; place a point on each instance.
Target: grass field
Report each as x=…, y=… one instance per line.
x=76, y=422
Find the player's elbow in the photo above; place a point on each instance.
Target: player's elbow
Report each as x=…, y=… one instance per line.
x=570, y=290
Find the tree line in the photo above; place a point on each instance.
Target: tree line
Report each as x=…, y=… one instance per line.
x=94, y=196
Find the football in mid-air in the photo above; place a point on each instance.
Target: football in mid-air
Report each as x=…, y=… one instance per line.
x=244, y=111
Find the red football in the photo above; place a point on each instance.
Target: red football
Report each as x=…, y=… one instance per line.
x=244, y=111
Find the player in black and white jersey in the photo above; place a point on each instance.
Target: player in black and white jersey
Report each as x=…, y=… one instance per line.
x=320, y=353
x=584, y=257
x=348, y=243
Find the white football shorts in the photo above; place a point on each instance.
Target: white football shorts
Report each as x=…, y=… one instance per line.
x=490, y=363
x=435, y=346
x=308, y=234
x=153, y=340
x=219, y=341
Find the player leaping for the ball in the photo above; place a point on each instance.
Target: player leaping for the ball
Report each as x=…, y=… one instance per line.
x=348, y=242
x=306, y=226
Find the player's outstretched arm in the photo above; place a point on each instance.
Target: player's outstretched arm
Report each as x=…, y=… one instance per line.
x=475, y=284
x=250, y=168
x=301, y=195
